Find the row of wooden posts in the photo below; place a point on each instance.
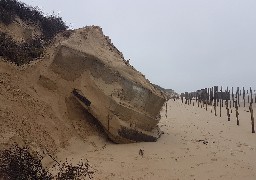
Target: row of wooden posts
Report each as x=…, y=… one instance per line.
x=213, y=97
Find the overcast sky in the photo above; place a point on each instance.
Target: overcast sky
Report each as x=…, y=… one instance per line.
x=180, y=44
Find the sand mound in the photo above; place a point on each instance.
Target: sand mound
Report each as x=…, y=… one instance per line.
x=80, y=93
x=39, y=110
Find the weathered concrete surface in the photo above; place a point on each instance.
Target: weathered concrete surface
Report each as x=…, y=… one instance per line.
x=118, y=96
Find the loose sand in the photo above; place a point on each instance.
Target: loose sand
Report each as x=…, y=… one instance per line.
x=195, y=145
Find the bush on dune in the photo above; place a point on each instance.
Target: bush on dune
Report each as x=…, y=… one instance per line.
x=18, y=163
x=21, y=53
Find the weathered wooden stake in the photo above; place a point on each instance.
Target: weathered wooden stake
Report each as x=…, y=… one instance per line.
x=251, y=93
x=238, y=96
x=220, y=107
x=244, y=96
x=227, y=110
x=233, y=97
x=237, y=113
x=230, y=103
x=215, y=107
x=252, y=118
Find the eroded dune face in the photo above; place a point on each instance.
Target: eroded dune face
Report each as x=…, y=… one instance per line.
x=118, y=96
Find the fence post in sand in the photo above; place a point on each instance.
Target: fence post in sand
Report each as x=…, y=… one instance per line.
x=220, y=107
x=229, y=100
x=251, y=92
x=227, y=110
x=215, y=107
x=244, y=96
x=237, y=113
x=252, y=118
x=220, y=95
x=238, y=96
x=233, y=96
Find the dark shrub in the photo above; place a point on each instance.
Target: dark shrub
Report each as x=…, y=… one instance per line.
x=26, y=52
x=18, y=163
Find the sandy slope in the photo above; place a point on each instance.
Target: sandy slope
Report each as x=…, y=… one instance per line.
x=196, y=145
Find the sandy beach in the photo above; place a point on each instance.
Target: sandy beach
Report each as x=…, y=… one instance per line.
x=195, y=145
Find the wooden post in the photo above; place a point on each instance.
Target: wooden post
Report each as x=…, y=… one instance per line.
x=233, y=96
x=227, y=110
x=244, y=96
x=237, y=113
x=251, y=93
x=215, y=107
x=220, y=107
x=221, y=97
x=252, y=118
x=238, y=96
x=229, y=100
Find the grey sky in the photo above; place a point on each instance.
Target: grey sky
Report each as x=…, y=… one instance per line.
x=178, y=44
